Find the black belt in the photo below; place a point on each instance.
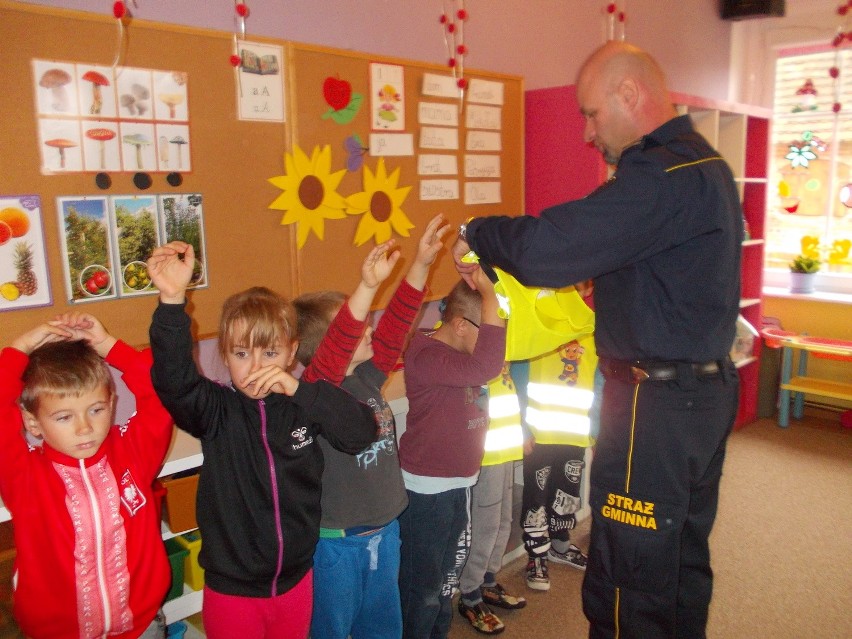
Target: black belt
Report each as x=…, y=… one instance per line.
x=635, y=372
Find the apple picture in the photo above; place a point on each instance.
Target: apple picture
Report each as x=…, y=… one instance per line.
x=101, y=279
x=337, y=93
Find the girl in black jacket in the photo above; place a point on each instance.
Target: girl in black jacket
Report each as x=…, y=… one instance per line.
x=258, y=503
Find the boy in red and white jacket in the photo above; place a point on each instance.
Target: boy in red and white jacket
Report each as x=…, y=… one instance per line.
x=90, y=558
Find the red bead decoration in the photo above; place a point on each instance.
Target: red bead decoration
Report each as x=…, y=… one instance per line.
x=462, y=14
x=118, y=10
x=834, y=72
x=451, y=63
x=443, y=19
x=610, y=8
x=462, y=82
x=451, y=28
x=242, y=9
x=621, y=16
x=462, y=49
x=235, y=60
x=836, y=107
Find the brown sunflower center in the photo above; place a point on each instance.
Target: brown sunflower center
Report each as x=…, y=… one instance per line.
x=381, y=206
x=311, y=192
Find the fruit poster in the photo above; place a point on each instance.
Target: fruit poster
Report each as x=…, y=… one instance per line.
x=24, y=281
x=181, y=218
x=86, y=248
x=260, y=82
x=137, y=234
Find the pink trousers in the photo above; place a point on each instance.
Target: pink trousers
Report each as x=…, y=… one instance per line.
x=286, y=616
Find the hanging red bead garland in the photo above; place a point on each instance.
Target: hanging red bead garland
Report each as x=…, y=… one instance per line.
x=614, y=22
x=119, y=11
x=452, y=25
x=241, y=12
x=842, y=39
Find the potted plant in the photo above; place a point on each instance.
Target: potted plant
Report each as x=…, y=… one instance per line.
x=803, y=270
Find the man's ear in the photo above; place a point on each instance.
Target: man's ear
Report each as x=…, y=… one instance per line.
x=628, y=93
x=31, y=423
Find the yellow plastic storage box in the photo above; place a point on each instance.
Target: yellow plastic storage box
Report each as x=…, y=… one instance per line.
x=193, y=574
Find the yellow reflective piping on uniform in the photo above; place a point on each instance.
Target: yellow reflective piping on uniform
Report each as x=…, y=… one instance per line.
x=632, y=435
x=617, y=602
x=547, y=421
x=503, y=406
x=566, y=396
x=681, y=166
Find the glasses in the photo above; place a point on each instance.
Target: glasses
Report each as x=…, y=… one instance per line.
x=471, y=321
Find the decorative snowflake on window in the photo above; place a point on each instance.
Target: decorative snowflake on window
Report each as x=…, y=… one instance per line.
x=800, y=156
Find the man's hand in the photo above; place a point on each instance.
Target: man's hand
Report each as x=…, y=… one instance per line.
x=466, y=270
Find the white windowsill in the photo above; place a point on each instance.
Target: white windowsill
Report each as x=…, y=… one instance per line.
x=816, y=296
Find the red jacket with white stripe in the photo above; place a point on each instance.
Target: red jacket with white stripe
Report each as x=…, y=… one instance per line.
x=90, y=557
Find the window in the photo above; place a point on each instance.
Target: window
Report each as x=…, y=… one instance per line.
x=810, y=172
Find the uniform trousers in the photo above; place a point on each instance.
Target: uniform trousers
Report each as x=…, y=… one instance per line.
x=654, y=493
x=490, y=527
x=551, y=497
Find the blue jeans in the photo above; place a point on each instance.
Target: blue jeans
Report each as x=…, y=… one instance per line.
x=435, y=531
x=356, y=591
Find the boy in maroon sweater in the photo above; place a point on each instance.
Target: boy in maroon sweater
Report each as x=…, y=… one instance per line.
x=442, y=447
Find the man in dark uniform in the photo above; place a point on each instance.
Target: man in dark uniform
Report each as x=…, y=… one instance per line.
x=662, y=241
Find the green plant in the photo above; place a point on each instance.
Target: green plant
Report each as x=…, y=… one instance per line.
x=804, y=264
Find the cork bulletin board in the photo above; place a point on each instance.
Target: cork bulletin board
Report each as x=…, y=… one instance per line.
x=232, y=161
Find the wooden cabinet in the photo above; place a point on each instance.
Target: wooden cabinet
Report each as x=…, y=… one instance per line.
x=559, y=162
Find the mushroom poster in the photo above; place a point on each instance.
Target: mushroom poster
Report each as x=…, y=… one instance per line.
x=95, y=118
x=24, y=280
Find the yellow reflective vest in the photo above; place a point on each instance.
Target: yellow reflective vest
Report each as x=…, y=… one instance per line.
x=560, y=394
x=505, y=438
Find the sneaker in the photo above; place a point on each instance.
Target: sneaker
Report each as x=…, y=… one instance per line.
x=497, y=596
x=573, y=557
x=481, y=618
x=537, y=577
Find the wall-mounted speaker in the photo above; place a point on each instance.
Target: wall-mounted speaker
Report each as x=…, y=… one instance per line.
x=742, y=9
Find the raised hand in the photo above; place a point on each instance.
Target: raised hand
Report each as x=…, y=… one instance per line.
x=88, y=327
x=379, y=263
x=40, y=335
x=430, y=244
x=170, y=267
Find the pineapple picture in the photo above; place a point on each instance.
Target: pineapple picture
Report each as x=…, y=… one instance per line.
x=26, y=282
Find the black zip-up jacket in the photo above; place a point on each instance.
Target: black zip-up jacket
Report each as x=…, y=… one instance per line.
x=258, y=503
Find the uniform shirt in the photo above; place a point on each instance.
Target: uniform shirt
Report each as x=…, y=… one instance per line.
x=662, y=240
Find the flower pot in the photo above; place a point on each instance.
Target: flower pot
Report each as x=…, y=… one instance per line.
x=802, y=282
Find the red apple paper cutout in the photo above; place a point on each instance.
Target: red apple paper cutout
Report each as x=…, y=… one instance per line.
x=337, y=93
x=343, y=102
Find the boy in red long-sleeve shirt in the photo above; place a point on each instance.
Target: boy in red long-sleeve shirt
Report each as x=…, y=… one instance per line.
x=90, y=560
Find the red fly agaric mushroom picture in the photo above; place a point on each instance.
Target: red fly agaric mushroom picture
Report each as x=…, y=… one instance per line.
x=60, y=145
x=96, y=91
x=95, y=147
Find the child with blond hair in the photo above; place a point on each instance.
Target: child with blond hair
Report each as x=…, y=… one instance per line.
x=258, y=504
x=90, y=560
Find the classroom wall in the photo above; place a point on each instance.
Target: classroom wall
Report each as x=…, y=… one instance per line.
x=543, y=40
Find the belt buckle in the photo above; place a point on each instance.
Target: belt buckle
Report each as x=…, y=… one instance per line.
x=638, y=375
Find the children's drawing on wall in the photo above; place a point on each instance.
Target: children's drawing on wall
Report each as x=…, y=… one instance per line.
x=387, y=91
x=23, y=261
x=343, y=102
x=96, y=118
x=181, y=218
x=310, y=194
x=380, y=206
x=260, y=86
x=86, y=248
x=137, y=235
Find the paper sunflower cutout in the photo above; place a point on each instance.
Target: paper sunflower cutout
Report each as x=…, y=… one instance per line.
x=379, y=204
x=310, y=192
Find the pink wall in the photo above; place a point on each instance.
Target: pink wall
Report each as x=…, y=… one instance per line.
x=559, y=165
x=542, y=40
